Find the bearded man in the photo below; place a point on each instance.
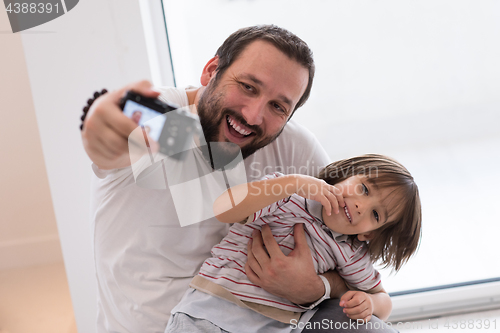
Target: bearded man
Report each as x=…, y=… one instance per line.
x=144, y=259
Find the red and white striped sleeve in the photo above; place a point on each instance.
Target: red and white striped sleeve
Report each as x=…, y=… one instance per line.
x=359, y=273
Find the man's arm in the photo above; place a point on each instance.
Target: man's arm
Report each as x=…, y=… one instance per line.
x=106, y=129
x=292, y=277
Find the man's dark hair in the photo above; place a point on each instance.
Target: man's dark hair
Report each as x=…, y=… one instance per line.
x=282, y=39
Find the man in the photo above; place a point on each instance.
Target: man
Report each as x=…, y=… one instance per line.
x=144, y=259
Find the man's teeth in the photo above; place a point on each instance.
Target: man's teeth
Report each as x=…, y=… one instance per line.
x=347, y=213
x=238, y=128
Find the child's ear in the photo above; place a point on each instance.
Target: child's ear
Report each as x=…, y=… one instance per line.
x=366, y=236
x=209, y=71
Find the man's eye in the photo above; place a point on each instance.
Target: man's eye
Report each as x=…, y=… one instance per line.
x=278, y=107
x=246, y=87
x=375, y=214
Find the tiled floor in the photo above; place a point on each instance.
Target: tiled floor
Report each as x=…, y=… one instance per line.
x=36, y=300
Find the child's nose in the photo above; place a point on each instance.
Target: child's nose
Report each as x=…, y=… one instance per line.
x=360, y=207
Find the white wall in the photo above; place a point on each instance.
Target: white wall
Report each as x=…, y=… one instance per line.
x=97, y=44
x=28, y=231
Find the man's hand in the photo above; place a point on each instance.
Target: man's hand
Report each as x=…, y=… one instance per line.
x=106, y=129
x=292, y=277
x=357, y=305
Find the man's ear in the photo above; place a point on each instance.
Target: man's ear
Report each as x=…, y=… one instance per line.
x=366, y=236
x=209, y=71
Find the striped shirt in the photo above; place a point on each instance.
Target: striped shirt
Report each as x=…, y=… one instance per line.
x=330, y=250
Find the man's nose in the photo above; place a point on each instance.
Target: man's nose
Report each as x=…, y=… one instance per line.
x=254, y=111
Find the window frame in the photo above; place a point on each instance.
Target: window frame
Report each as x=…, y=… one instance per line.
x=157, y=43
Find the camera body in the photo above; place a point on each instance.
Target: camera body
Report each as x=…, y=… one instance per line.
x=165, y=123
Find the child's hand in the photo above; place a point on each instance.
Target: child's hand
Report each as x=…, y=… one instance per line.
x=317, y=189
x=357, y=305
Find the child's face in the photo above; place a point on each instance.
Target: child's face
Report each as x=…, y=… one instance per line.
x=365, y=208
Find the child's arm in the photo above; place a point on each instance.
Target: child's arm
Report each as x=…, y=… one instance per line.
x=361, y=305
x=241, y=201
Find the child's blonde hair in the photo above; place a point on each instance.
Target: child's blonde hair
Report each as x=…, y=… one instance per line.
x=398, y=239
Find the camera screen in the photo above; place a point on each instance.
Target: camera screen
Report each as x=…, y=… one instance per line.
x=152, y=121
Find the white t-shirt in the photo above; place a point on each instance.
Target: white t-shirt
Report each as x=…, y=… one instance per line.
x=144, y=258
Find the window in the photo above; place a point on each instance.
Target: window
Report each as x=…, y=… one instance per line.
x=417, y=81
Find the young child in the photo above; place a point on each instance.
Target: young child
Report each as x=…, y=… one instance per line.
x=358, y=211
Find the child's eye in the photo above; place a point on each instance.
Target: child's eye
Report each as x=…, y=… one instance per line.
x=365, y=189
x=375, y=214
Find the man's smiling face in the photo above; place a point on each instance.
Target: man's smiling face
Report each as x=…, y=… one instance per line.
x=250, y=103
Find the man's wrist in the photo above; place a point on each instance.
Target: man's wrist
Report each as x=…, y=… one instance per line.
x=318, y=290
x=303, y=297
x=337, y=284
x=325, y=296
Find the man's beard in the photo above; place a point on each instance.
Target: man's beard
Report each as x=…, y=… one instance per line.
x=212, y=114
